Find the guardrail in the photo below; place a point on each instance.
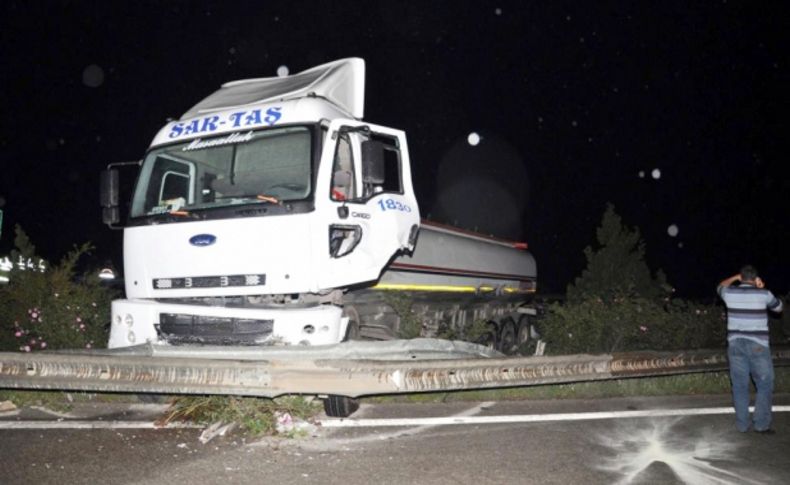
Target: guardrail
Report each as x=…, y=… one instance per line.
x=348, y=377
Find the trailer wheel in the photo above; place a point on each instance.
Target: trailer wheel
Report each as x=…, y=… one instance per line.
x=340, y=406
x=507, y=337
x=523, y=331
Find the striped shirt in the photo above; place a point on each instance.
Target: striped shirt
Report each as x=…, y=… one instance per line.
x=747, y=311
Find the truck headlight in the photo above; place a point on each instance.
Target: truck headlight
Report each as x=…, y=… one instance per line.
x=343, y=239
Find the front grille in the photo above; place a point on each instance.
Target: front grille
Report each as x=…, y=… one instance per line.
x=210, y=281
x=178, y=328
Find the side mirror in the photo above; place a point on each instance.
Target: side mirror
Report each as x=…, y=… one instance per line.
x=110, y=215
x=109, y=196
x=372, y=162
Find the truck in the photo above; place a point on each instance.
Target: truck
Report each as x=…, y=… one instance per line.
x=270, y=213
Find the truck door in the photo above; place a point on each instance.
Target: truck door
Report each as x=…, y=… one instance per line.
x=365, y=202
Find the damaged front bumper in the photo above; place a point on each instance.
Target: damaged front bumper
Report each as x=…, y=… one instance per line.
x=137, y=322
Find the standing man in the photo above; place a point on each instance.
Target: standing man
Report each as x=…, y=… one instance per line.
x=747, y=346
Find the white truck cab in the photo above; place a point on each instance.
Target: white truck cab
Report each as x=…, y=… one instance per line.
x=254, y=210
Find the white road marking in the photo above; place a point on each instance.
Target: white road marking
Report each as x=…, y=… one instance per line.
x=52, y=412
x=421, y=427
x=529, y=418
x=81, y=424
x=465, y=417
x=345, y=444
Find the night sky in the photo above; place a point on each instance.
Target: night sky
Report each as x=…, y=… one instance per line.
x=676, y=112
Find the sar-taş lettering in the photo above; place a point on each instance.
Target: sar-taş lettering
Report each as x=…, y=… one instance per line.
x=209, y=124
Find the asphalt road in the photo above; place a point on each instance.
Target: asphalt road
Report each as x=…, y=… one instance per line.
x=667, y=450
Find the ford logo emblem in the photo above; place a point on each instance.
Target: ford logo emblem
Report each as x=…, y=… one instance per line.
x=201, y=240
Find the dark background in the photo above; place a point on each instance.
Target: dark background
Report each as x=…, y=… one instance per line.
x=572, y=100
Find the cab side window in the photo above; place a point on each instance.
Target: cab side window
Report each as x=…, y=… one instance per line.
x=381, y=165
x=365, y=164
x=343, y=182
x=392, y=165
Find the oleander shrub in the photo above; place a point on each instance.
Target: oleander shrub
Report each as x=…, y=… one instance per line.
x=45, y=306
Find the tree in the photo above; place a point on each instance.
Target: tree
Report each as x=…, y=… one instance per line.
x=616, y=305
x=617, y=267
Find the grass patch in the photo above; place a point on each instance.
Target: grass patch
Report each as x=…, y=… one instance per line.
x=254, y=415
x=677, y=385
x=58, y=400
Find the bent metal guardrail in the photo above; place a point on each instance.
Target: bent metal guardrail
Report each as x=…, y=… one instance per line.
x=274, y=377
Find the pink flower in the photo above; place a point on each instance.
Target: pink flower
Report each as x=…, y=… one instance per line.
x=32, y=341
x=26, y=348
x=18, y=333
x=79, y=319
x=82, y=326
x=643, y=328
x=43, y=345
x=34, y=315
x=87, y=346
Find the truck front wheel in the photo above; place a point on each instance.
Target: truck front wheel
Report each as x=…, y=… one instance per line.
x=353, y=330
x=340, y=406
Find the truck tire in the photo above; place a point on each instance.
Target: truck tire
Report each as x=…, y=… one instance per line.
x=523, y=330
x=340, y=406
x=353, y=330
x=152, y=398
x=507, y=337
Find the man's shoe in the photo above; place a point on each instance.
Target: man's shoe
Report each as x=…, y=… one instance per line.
x=768, y=431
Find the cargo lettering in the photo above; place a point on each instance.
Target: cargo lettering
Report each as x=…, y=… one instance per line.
x=239, y=119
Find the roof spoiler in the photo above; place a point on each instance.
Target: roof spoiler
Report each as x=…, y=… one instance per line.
x=340, y=82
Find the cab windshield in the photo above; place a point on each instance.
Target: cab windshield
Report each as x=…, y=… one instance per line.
x=240, y=168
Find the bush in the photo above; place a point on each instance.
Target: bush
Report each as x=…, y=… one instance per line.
x=50, y=307
x=632, y=323
x=616, y=305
